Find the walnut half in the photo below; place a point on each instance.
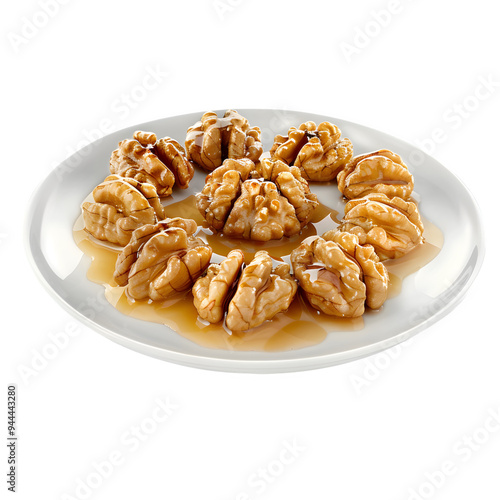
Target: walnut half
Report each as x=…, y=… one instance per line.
x=319, y=151
x=260, y=293
x=330, y=278
x=162, y=162
x=378, y=172
x=211, y=291
x=212, y=140
x=120, y=206
x=162, y=259
x=374, y=273
x=391, y=225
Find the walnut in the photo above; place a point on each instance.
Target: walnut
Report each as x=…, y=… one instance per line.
x=391, y=225
x=319, y=152
x=292, y=186
x=162, y=162
x=212, y=140
x=377, y=172
x=120, y=206
x=374, y=273
x=330, y=278
x=146, y=139
x=260, y=213
x=267, y=203
x=211, y=292
x=162, y=259
x=262, y=292
x=172, y=154
x=140, y=236
x=222, y=188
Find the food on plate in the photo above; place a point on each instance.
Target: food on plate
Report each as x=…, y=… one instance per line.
x=222, y=188
x=377, y=172
x=258, y=202
x=120, y=206
x=211, y=292
x=319, y=151
x=266, y=200
x=374, y=273
x=391, y=225
x=212, y=140
x=331, y=279
x=161, y=162
x=260, y=291
x=162, y=259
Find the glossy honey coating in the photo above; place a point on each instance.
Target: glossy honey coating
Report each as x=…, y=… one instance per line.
x=161, y=162
x=330, y=278
x=262, y=292
x=318, y=151
x=120, y=206
x=377, y=172
x=162, y=259
x=212, y=140
x=391, y=225
x=211, y=291
x=374, y=273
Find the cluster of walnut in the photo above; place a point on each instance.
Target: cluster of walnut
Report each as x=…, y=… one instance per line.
x=244, y=297
x=342, y=271
x=251, y=197
x=258, y=202
x=378, y=186
x=165, y=258
x=143, y=170
x=212, y=140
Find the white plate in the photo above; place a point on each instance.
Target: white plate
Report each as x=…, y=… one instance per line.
x=427, y=295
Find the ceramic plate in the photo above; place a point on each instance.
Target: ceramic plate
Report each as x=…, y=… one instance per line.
x=426, y=295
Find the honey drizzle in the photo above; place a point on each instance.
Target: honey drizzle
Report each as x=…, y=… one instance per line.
x=301, y=326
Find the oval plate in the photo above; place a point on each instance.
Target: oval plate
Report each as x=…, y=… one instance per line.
x=426, y=296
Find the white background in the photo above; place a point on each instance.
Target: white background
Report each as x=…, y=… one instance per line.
x=420, y=63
